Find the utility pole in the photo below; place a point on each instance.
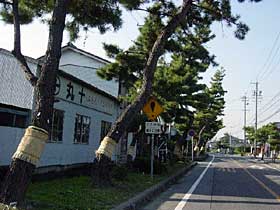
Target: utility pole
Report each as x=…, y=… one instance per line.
x=229, y=143
x=245, y=100
x=257, y=93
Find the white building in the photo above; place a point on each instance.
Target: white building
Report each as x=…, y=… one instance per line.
x=85, y=107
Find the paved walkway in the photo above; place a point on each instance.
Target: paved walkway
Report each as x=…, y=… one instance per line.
x=267, y=162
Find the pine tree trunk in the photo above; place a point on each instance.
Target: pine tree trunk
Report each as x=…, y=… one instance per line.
x=101, y=177
x=148, y=74
x=16, y=182
x=20, y=173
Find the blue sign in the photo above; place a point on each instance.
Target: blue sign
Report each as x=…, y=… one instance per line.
x=191, y=132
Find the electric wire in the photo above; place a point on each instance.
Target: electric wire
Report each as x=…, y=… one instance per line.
x=269, y=117
x=269, y=60
x=276, y=96
x=272, y=70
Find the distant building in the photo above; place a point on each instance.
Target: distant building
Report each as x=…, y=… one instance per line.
x=85, y=107
x=277, y=125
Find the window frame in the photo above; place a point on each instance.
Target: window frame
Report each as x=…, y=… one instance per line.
x=84, y=129
x=14, y=115
x=51, y=140
x=105, y=127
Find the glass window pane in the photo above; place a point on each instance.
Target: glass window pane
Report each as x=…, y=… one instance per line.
x=57, y=125
x=6, y=119
x=105, y=127
x=82, y=129
x=21, y=121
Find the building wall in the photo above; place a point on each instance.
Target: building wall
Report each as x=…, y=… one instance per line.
x=68, y=152
x=10, y=138
x=14, y=88
x=84, y=68
x=70, y=56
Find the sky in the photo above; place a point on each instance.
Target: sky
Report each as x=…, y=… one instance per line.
x=256, y=58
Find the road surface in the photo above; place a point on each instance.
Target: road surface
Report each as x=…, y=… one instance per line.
x=223, y=183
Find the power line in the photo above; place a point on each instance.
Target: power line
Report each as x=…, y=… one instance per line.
x=269, y=65
x=272, y=105
x=267, y=62
x=271, y=100
x=272, y=70
x=272, y=115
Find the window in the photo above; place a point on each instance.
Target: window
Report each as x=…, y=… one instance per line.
x=57, y=126
x=105, y=127
x=10, y=119
x=82, y=128
x=6, y=119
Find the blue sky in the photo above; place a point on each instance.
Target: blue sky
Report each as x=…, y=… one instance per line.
x=243, y=60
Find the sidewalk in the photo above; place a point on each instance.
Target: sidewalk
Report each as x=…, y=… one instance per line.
x=274, y=165
x=267, y=161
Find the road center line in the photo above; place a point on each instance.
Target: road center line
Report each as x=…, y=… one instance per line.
x=274, y=194
x=185, y=199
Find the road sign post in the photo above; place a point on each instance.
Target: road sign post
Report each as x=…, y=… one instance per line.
x=152, y=156
x=152, y=109
x=191, y=133
x=192, y=148
x=153, y=128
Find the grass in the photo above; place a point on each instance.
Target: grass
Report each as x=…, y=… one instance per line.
x=78, y=194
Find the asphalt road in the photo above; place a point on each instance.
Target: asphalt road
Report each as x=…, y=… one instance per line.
x=223, y=183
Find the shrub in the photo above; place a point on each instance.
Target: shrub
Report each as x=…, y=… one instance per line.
x=143, y=164
x=119, y=172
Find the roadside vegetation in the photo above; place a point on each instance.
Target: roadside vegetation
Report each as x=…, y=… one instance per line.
x=267, y=134
x=167, y=60
x=77, y=193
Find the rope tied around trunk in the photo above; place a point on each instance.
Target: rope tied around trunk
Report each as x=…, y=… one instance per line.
x=106, y=147
x=6, y=207
x=31, y=145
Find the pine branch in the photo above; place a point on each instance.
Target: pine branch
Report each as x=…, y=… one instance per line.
x=148, y=73
x=17, y=47
x=154, y=13
x=216, y=13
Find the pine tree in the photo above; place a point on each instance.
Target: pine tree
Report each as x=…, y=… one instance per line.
x=190, y=13
x=84, y=15
x=208, y=119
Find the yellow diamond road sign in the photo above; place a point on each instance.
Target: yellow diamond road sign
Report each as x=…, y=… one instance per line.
x=152, y=109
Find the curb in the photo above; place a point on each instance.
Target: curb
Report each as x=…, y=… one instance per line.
x=147, y=195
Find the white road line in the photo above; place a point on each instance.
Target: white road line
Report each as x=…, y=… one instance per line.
x=268, y=166
x=185, y=199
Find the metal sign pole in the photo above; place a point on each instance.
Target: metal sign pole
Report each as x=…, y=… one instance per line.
x=192, y=148
x=152, y=156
